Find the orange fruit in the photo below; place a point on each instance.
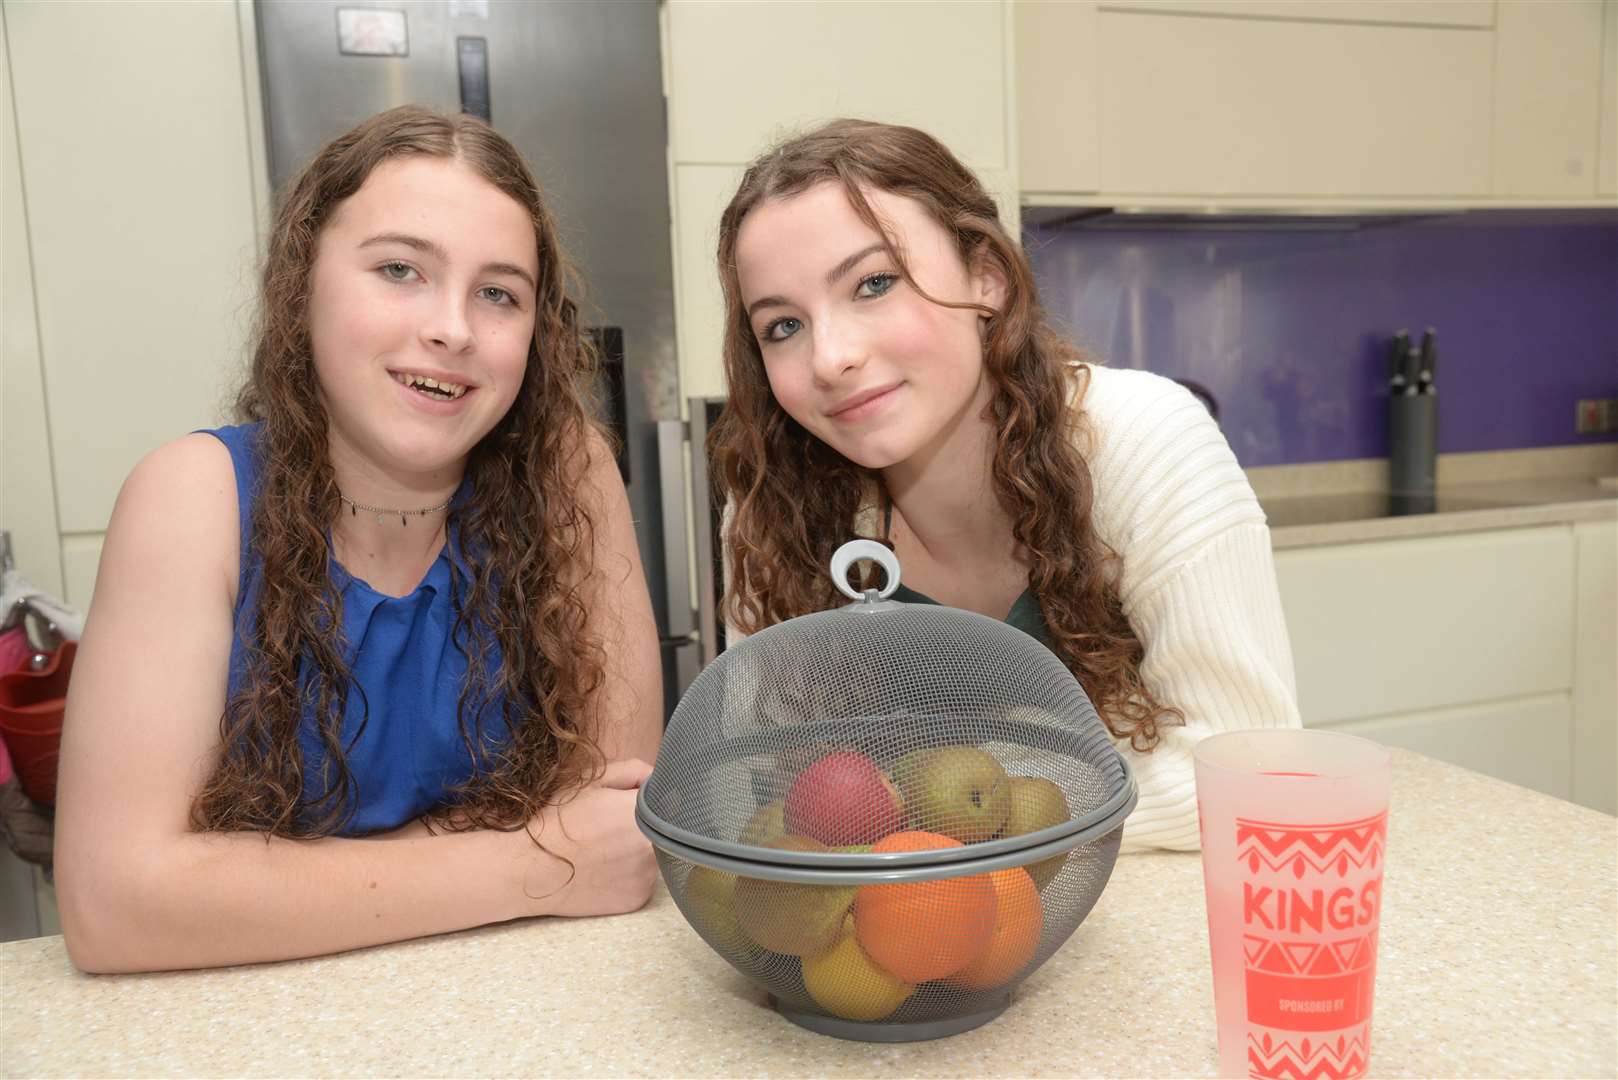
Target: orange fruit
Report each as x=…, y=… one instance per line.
x=921, y=930
x=1018, y=919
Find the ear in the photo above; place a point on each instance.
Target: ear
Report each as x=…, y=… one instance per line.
x=988, y=279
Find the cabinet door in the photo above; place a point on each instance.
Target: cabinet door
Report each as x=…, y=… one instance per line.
x=1260, y=107
x=1058, y=96
x=1607, y=172
x=1527, y=741
x=1595, y=681
x=1402, y=626
x=744, y=74
x=138, y=180
x=1547, y=102
x=27, y=493
x=700, y=194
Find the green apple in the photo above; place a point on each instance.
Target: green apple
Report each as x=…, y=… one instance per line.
x=769, y=823
x=790, y=917
x=1037, y=804
x=959, y=791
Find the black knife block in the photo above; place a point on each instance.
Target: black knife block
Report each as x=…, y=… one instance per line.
x=1413, y=444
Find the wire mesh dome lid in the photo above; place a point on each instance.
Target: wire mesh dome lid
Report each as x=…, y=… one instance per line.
x=887, y=813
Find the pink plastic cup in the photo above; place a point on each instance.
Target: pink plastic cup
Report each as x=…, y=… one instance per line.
x=1294, y=830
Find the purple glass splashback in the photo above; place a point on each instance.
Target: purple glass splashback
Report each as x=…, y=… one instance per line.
x=1289, y=328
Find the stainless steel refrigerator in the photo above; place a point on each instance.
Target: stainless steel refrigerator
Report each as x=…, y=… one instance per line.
x=578, y=87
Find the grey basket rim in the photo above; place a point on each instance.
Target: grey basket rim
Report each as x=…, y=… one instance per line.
x=1123, y=798
x=1083, y=743
x=853, y=869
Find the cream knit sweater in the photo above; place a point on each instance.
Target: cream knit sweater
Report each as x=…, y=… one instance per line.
x=1197, y=582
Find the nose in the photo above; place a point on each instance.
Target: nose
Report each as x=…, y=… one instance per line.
x=839, y=350
x=446, y=326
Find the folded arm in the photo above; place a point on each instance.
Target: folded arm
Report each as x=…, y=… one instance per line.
x=1197, y=582
x=1216, y=649
x=629, y=705
x=139, y=889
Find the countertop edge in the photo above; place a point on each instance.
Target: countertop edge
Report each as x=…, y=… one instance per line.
x=1445, y=524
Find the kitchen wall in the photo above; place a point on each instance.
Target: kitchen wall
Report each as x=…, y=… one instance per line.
x=1288, y=327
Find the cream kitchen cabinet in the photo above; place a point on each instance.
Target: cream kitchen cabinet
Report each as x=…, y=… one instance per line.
x=134, y=190
x=1595, y=666
x=1547, y=97
x=1058, y=96
x=742, y=75
x=1607, y=166
x=27, y=488
x=1273, y=108
x=1473, y=13
x=1491, y=650
x=1330, y=104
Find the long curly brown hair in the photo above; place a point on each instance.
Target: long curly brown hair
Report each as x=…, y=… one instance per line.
x=779, y=542
x=523, y=531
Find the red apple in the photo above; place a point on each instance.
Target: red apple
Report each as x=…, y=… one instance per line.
x=842, y=799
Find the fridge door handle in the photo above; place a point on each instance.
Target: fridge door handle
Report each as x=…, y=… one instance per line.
x=687, y=666
x=676, y=555
x=702, y=531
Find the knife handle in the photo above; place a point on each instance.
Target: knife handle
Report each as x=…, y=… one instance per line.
x=1428, y=366
x=1398, y=356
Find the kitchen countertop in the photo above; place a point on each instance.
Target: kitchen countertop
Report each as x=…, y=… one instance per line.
x=1499, y=957
x=1348, y=502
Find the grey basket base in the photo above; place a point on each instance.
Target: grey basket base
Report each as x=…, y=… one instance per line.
x=880, y=1031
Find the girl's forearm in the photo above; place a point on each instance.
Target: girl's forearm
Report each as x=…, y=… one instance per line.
x=212, y=899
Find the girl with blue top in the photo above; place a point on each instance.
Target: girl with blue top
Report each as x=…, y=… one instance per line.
x=380, y=661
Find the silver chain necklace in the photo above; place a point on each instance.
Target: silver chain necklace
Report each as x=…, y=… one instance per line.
x=380, y=511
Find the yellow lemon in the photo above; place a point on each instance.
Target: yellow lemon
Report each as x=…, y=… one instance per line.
x=843, y=981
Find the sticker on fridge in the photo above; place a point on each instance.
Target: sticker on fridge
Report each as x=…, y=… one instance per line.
x=372, y=32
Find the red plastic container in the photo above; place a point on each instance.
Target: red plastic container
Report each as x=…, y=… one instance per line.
x=31, y=705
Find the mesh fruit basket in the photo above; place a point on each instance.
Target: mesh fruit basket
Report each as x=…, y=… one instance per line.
x=887, y=815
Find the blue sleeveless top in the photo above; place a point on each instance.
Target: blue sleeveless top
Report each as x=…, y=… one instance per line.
x=402, y=738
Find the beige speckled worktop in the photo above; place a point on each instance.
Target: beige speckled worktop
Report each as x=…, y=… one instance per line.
x=1498, y=959
x=1347, y=502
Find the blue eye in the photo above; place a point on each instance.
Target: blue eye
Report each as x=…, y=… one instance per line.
x=876, y=284
x=396, y=271
x=781, y=329
x=496, y=295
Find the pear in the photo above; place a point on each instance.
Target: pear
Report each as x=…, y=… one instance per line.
x=788, y=916
x=769, y=823
x=1037, y=804
x=959, y=791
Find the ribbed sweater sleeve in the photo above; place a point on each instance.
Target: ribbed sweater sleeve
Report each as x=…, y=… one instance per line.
x=1197, y=583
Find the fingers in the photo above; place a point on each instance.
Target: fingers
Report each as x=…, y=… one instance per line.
x=628, y=774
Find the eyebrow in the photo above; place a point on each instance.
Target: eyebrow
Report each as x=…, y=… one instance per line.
x=832, y=277
x=428, y=247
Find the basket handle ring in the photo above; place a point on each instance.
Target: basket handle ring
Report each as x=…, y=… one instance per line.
x=856, y=550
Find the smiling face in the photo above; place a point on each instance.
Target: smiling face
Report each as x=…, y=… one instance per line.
x=853, y=352
x=421, y=316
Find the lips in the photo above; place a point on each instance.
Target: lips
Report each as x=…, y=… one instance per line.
x=433, y=384
x=447, y=397
x=856, y=405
